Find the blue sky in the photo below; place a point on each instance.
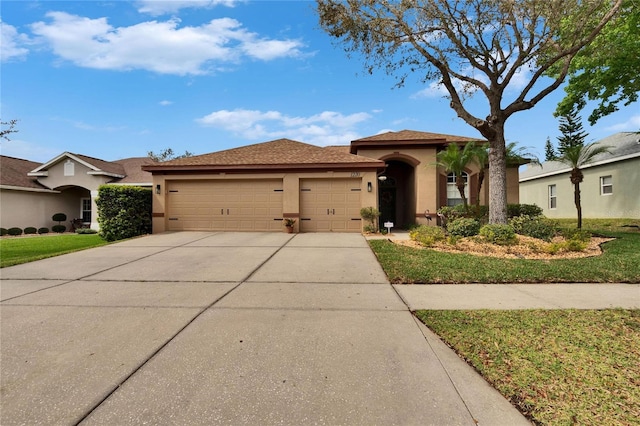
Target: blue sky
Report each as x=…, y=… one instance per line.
x=116, y=79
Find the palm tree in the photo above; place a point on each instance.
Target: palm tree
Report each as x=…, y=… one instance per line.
x=454, y=160
x=576, y=157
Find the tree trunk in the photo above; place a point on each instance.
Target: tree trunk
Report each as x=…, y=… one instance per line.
x=497, y=177
x=461, y=184
x=480, y=182
x=576, y=199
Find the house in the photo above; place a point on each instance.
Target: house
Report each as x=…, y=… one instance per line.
x=31, y=193
x=252, y=188
x=611, y=186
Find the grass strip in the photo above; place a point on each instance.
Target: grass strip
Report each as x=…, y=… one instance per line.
x=558, y=367
x=14, y=251
x=619, y=263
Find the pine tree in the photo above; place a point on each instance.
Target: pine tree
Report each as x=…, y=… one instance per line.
x=572, y=132
x=549, y=151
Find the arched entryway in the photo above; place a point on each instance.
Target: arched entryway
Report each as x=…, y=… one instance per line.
x=397, y=194
x=78, y=204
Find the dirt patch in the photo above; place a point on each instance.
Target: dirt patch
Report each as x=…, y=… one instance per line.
x=526, y=248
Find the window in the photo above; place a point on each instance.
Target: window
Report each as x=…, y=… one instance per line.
x=606, y=185
x=453, y=195
x=86, y=210
x=552, y=197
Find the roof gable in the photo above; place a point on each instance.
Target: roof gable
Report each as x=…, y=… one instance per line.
x=97, y=166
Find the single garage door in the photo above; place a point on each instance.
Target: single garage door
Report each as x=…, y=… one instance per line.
x=225, y=205
x=330, y=205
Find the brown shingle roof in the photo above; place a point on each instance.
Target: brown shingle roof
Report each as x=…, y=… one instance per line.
x=13, y=172
x=413, y=135
x=106, y=166
x=133, y=170
x=280, y=153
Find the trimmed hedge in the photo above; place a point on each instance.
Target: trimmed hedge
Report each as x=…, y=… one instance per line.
x=59, y=217
x=536, y=227
x=86, y=231
x=43, y=231
x=30, y=230
x=59, y=229
x=123, y=211
x=3, y=231
x=15, y=231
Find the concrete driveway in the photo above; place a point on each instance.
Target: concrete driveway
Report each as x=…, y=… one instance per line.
x=226, y=328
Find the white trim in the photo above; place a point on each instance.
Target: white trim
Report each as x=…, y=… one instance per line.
x=22, y=188
x=103, y=173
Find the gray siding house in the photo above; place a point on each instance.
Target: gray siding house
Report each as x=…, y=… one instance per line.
x=611, y=186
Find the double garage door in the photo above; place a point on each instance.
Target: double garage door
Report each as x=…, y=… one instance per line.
x=225, y=205
x=257, y=205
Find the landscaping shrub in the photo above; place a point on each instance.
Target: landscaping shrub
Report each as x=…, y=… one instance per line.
x=43, y=230
x=86, y=231
x=503, y=235
x=463, y=227
x=59, y=229
x=29, y=230
x=59, y=217
x=14, y=231
x=371, y=214
x=536, y=227
x=123, y=211
x=3, y=232
x=480, y=213
x=531, y=210
x=576, y=234
x=427, y=235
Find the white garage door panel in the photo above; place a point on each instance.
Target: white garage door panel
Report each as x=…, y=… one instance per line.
x=330, y=205
x=242, y=205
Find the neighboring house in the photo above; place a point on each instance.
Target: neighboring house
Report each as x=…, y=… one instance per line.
x=31, y=193
x=252, y=188
x=611, y=186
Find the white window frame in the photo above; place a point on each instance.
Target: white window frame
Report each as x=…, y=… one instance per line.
x=452, y=188
x=553, y=196
x=83, y=210
x=604, y=185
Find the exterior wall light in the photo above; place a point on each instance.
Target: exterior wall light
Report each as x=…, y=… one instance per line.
x=158, y=190
x=369, y=187
x=382, y=178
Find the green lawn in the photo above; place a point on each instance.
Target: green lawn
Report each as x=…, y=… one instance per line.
x=620, y=262
x=558, y=367
x=14, y=251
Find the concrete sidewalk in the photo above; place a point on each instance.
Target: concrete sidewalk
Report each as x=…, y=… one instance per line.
x=234, y=328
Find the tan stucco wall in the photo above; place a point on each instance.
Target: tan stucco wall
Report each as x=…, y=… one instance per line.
x=24, y=208
x=290, y=186
x=623, y=203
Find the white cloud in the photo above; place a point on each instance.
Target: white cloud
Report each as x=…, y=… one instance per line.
x=161, y=7
x=325, y=128
x=12, y=43
x=631, y=125
x=165, y=103
x=161, y=47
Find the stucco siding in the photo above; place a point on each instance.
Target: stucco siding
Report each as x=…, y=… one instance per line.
x=624, y=202
x=24, y=208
